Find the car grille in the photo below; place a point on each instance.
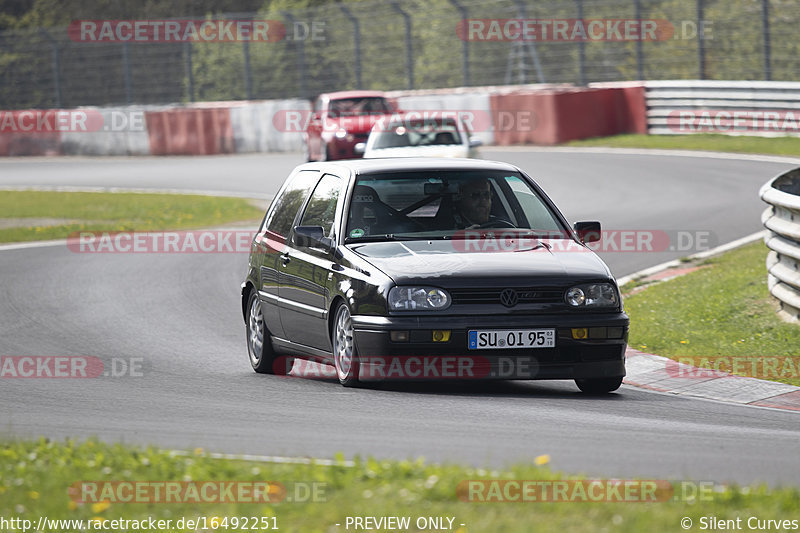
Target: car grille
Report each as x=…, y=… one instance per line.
x=527, y=295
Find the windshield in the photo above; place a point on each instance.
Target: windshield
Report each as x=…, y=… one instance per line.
x=359, y=106
x=442, y=204
x=420, y=133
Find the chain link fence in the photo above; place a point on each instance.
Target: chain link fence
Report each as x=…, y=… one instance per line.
x=410, y=44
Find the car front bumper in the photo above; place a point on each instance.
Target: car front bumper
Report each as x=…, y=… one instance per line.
x=420, y=358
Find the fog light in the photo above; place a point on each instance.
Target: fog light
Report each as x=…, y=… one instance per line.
x=398, y=336
x=580, y=333
x=441, y=335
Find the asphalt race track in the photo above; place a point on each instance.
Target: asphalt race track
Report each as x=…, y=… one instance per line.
x=178, y=316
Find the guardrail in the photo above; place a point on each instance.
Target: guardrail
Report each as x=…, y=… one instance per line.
x=763, y=108
x=782, y=219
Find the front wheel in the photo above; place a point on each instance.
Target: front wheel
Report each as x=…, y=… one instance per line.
x=259, y=347
x=345, y=357
x=598, y=386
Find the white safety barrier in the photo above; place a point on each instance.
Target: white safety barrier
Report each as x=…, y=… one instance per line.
x=123, y=131
x=270, y=125
x=762, y=108
x=782, y=219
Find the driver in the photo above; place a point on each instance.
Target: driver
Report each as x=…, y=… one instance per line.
x=473, y=204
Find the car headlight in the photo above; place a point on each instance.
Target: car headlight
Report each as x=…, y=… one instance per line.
x=418, y=299
x=341, y=134
x=592, y=295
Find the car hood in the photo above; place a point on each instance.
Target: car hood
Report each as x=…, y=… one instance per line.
x=453, y=150
x=453, y=263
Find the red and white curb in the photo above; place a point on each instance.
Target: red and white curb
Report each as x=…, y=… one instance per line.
x=661, y=374
x=656, y=373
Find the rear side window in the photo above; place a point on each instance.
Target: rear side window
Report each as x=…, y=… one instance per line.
x=290, y=201
x=321, y=210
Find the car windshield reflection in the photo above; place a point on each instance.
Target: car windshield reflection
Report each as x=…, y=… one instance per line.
x=442, y=205
x=418, y=133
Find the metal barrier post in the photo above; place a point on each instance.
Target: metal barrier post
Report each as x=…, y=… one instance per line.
x=464, y=42
x=766, y=39
x=409, y=49
x=356, y=41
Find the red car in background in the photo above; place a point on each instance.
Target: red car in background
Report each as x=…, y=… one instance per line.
x=341, y=120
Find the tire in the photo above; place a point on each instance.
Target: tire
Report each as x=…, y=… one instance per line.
x=345, y=356
x=263, y=358
x=598, y=386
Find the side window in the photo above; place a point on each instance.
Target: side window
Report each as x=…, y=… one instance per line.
x=321, y=209
x=534, y=209
x=285, y=209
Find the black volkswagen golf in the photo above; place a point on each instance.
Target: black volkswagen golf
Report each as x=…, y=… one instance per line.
x=418, y=269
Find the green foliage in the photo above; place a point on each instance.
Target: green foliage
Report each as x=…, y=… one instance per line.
x=701, y=141
x=115, y=212
x=723, y=310
x=35, y=477
x=305, y=67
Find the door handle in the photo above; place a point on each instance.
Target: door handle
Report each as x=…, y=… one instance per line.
x=285, y=258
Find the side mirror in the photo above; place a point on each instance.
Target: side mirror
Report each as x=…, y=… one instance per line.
x=308, y=236
x=474, y=142
x=588, y=231
x=360, y=148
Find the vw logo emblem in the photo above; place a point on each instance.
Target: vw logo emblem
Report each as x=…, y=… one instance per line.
x=509, y=297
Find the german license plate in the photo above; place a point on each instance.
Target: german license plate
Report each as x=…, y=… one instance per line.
x=503, y=339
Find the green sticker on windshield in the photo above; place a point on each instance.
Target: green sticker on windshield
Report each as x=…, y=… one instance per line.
x=356, y=233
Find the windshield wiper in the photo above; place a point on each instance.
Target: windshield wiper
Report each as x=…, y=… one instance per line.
x=396, y=237
x=484, y=232
x=371, y=238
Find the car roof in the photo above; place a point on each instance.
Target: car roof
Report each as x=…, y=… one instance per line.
x=352, y=94
x=372, y=166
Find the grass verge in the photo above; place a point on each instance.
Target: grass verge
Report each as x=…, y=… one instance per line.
x=724, y=311
x=54, y=215
x=36, y=476
x=789, y=146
